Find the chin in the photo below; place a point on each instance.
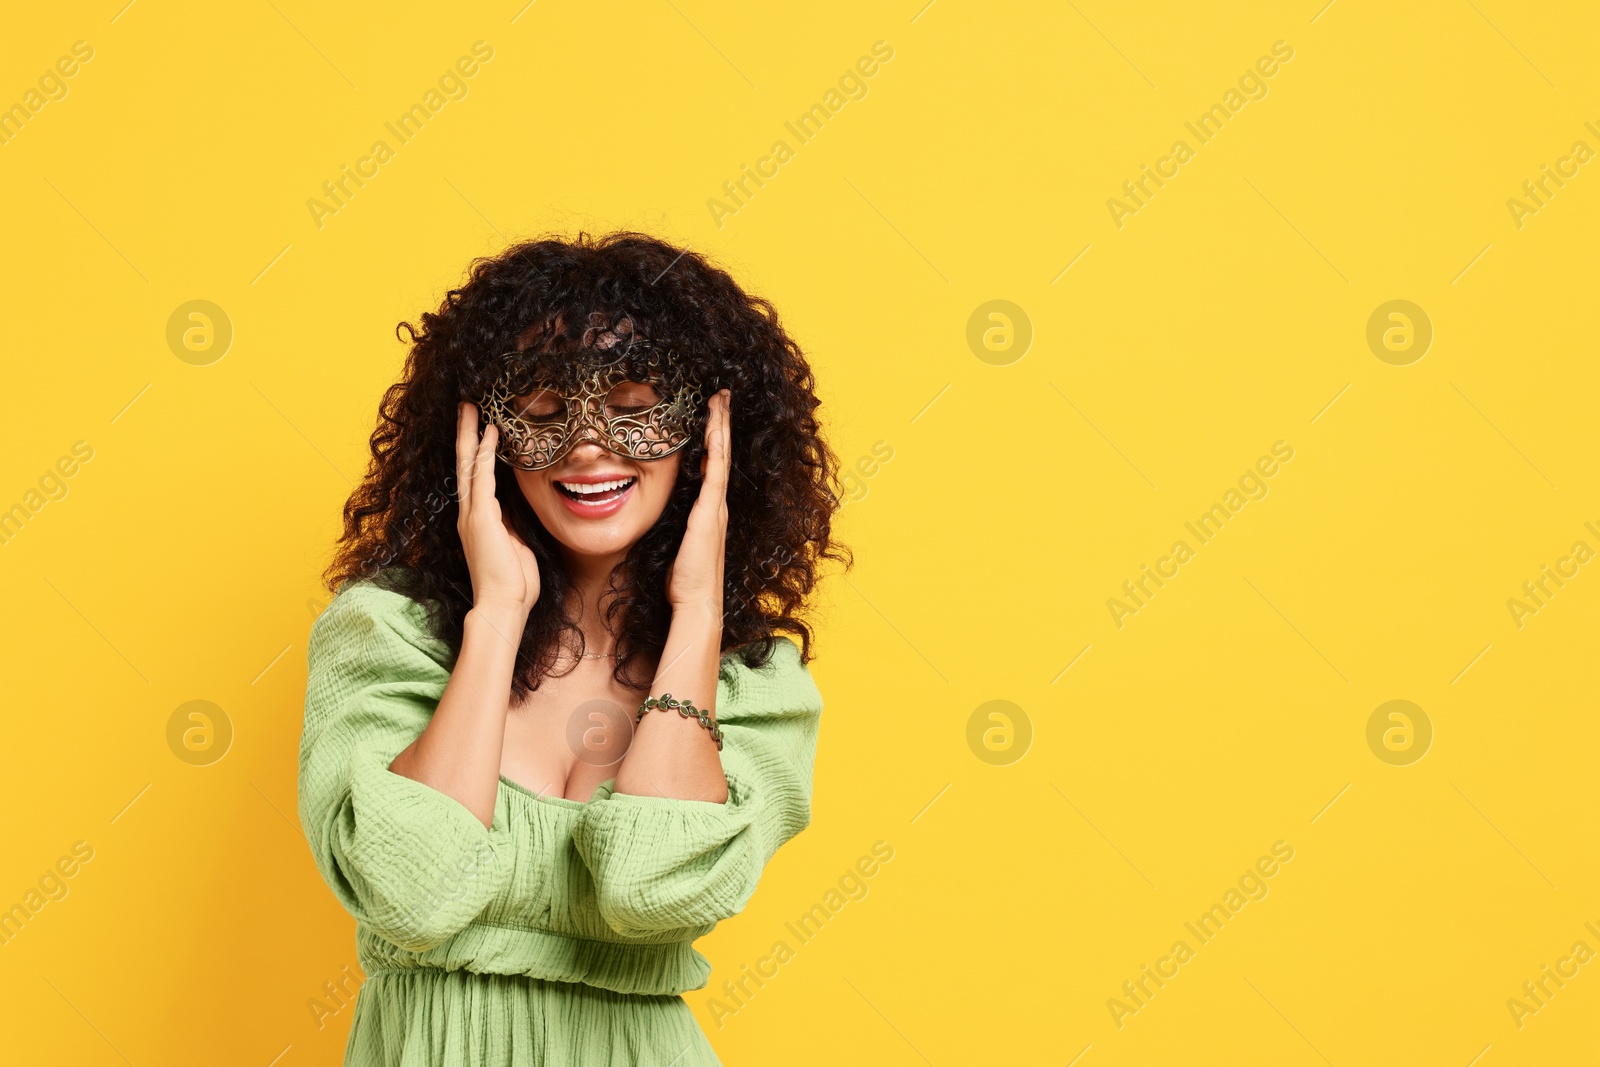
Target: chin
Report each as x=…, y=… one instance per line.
x=599, y=537
x=607, y=518
x=602, y=535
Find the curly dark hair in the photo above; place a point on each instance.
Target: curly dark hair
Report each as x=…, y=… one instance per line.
x=554, y=295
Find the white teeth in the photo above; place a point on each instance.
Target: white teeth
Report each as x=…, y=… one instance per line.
x=590, y=488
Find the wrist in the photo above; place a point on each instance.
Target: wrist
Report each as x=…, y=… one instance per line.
x=700, y=611
x=687, y=709
x=502, y=612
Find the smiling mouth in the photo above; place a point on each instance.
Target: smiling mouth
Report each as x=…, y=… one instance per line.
x=595, y=492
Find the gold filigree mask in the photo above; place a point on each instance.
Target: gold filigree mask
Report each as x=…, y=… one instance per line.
x=641, y=404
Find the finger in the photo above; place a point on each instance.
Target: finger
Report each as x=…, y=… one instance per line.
x=483, y=475
x=717, y=447
x=466, y=443
x=713, y=465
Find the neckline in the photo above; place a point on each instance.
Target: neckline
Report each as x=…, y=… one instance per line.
x=547, y=798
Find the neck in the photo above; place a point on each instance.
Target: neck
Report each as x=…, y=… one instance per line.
x=591, y=576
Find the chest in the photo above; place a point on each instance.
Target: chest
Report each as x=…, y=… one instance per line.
x=571, y=733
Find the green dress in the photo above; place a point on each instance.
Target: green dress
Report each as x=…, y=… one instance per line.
x=563, y=933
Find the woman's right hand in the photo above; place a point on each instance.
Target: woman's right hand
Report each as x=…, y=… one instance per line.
x=504, y=571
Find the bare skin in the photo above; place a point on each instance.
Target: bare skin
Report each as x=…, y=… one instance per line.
x=476, y=735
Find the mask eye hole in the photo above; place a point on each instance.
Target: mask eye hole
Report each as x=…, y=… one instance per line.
x=541, y=405
x=631, y=398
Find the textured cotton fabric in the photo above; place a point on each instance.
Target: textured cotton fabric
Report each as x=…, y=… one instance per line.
x=562, y=933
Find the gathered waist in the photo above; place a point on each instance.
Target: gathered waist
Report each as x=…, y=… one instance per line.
x=667, y=967
x=429, y=1017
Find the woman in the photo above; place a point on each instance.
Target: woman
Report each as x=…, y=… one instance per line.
x=554, y=725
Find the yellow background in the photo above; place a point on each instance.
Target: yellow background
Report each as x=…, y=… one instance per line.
x=1227, y=314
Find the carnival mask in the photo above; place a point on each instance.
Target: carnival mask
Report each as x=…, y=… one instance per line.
x=640, y=404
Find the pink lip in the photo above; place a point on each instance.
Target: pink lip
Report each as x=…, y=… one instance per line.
x=596, y=511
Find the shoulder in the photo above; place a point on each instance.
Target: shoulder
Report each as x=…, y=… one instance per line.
x=780, y=687
x=372, y=614
x=373, y=667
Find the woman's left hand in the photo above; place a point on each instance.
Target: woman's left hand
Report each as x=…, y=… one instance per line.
x=694, y=580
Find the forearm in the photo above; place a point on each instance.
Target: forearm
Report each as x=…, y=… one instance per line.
x=458, y=752
x=672, y=755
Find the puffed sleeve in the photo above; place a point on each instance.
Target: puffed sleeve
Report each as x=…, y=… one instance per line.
x=660, y=863
x=413, y=864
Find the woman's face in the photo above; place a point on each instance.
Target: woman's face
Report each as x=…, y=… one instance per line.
x=603, y=523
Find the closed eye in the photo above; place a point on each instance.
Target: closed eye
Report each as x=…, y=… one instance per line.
x=541, y=406
x=630, y=398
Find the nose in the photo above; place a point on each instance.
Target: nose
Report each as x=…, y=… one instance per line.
x=586, y=447
x=588, y=437
x=590, y=428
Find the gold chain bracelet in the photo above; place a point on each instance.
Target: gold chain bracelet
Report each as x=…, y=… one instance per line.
x=666, y=701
